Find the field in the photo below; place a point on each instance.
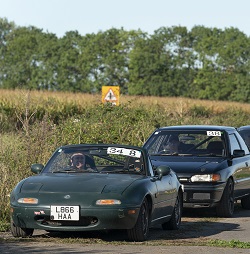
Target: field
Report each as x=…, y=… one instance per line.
x=34, y=123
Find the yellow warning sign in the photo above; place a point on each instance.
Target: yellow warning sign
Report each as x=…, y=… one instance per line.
x=111, y=94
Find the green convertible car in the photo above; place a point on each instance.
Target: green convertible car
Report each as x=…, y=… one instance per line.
x=97, y=187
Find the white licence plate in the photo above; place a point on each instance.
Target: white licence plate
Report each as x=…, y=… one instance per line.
x=64, y=213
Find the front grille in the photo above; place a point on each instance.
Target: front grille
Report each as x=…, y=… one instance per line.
x=82, y=222
x=201, y=196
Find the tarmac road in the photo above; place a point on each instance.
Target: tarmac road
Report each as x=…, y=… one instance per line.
x=198, y=225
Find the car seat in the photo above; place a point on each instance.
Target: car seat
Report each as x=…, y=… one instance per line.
x=89, y=162
x=216, y=147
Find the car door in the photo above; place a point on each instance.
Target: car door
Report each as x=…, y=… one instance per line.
x=241, y=167
x=164, y=197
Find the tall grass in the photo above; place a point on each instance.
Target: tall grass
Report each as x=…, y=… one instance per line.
x=34, y=123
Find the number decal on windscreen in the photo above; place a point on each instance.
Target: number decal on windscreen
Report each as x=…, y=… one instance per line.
x=214, y=133
x=124, y=151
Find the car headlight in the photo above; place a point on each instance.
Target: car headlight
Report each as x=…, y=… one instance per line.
x=205, y=178
x=108, y=202
x=32, y=201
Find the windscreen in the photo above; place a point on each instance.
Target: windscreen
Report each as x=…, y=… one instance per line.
x=96, y=159
x=188, y=142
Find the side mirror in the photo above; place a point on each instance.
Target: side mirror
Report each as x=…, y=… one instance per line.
x=238, y=153
x=36, y=168
x=162, y=171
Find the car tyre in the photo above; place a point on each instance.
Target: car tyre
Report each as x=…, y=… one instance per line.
x=20, y=232
x=140, y=231
x=245, y=202
x=175, y=221
x=226, y=206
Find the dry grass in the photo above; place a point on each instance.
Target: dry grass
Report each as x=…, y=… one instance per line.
x=179, y=104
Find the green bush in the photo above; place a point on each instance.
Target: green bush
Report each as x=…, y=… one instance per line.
x=199, y=111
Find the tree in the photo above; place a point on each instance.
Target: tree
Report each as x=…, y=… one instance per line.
x=21, y=58
x=5, y=28
x=69, y=76
x=105, y=56
x=223, y=57
x=49, y=57
x=163, y=64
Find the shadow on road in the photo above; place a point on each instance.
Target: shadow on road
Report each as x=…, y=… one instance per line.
x=188, y=230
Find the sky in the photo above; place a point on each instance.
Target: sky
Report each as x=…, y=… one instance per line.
x=92, y=16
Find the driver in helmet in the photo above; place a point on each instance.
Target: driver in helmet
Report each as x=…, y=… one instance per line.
x=173, y=145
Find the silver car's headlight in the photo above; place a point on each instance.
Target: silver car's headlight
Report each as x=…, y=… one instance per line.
x=206, y=178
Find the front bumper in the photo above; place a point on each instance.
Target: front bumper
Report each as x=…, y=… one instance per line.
x=90, y=219
x=202, y=195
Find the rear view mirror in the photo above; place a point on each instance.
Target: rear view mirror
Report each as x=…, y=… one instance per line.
x=162, y=171
x=238, y=153
x=36, y=168
x=187, y=138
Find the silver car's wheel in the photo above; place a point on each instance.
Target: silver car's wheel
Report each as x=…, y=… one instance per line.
x=226, y=205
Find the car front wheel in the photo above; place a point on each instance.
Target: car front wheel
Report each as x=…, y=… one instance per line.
x=141, y=229
x=175, y=221
x=226, y=205
x=20, y=232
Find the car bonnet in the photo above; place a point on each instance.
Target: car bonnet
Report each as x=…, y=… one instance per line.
x=88, y=183
x=190, y=166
